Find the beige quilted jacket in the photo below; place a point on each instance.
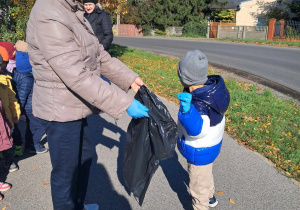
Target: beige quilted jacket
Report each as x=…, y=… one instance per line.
x=67, y=61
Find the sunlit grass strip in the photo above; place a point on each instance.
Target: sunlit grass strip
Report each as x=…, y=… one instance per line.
x=263, y=42
x=256, y=118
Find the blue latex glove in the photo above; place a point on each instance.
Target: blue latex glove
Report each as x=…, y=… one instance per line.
x=185, y=101
x=137, y=110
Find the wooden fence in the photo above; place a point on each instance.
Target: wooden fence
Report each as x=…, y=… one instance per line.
x=213, y=28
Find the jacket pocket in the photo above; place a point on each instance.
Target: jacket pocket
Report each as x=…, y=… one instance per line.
x=52, y=85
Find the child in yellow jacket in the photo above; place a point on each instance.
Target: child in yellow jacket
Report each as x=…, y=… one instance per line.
x=10, y=105
x=8, y=96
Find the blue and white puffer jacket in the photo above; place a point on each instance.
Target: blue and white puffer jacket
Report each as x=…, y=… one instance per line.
x=201, y=129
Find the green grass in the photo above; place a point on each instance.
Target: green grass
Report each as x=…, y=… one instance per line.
x=255, y=118
x=247, y=41
x=266, y=42
x=191, y=35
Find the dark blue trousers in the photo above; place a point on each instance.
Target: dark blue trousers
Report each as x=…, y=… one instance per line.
x=23, y=85
x=37, y=130
x=71, y=154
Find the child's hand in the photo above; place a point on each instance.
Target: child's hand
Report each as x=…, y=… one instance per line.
x=185, y=101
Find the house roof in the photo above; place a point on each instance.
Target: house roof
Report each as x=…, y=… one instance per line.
x=231, y=4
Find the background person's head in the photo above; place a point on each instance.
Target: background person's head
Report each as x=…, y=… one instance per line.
x=192, y=68
x=4, y=59
x=89, y=5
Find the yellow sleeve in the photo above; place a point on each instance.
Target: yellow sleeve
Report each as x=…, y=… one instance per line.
x=13, y=103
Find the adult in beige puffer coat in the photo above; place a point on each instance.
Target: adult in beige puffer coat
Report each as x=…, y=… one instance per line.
x=67, y=61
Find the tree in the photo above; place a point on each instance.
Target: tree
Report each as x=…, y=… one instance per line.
x=161, y=13
x=271, y=10
x=277, y=13
x=113, y=7
x=226, y=15
x=294, y=6
x=13, y=19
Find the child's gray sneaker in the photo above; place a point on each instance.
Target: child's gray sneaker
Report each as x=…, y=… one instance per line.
x=11, y=167
x=38, y=149
x=213, y=202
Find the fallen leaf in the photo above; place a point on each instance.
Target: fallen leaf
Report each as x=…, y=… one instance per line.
x=231, y=201
x=220, y=193
x=267, y=131
x=250, y=119
x=34, y=169
x=45, y=184
x=4, y=207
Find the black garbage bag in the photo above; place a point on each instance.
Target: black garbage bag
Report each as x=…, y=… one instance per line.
x=149, y=140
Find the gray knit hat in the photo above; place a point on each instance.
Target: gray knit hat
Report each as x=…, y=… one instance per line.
x=192, y=68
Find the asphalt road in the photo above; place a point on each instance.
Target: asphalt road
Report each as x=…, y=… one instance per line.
x=242, y=175
x=278, y=64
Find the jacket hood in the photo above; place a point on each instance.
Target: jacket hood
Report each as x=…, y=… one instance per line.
x=4, y=79
x=98, y=10
x=214, y=94
x=73, y=6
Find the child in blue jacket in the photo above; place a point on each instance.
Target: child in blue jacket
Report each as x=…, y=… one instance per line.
x=24, y=80
x=201, y=123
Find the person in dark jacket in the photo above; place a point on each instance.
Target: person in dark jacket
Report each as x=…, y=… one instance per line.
x=100, y=22
x=24, y=80
x=201, y=123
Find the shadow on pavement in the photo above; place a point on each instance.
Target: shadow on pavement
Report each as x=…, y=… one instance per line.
x=178, y=179
x=22, y=128
x=100, y=189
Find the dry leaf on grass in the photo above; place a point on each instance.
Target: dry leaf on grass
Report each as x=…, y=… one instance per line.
x=220, y=193
x=231, y=201
x=45, y=184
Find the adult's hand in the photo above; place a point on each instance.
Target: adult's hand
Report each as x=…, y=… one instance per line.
x=137, y=110
x=135, y=86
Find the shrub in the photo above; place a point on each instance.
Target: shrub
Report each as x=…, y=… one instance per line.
x=146, y=30
x=195, y=28
x=160, y=32
x=292, y=33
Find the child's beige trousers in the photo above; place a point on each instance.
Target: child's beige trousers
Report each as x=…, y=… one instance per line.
x=201, y=185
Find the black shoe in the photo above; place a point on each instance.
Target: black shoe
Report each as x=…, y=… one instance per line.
x=213, y=202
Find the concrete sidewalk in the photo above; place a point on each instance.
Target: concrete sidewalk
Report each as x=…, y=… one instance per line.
x=248, y=179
